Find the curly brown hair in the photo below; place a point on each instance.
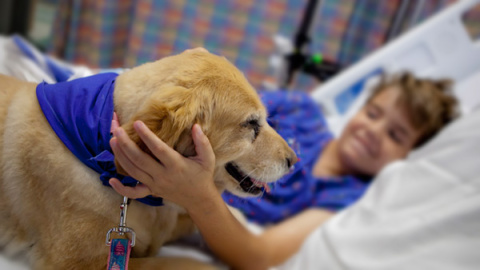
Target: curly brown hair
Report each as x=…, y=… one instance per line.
x=429, y=103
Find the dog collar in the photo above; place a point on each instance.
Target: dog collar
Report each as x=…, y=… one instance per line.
x=81, y=112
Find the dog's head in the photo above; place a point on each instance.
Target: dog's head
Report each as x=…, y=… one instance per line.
x=172, y=94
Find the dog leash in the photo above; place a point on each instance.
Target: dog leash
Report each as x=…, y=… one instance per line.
x=120, y=248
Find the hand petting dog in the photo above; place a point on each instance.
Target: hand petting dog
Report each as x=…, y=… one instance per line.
x=174, y=177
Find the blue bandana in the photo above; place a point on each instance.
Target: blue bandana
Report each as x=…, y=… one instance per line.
x=80, y=112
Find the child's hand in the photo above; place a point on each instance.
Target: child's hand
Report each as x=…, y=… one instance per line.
x=184, y=181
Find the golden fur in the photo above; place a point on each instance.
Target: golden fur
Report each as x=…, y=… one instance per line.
x=54, y=209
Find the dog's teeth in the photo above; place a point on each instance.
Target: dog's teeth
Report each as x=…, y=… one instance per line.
x=261, y=184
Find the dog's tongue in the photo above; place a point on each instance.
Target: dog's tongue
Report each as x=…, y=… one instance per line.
x=261, y=184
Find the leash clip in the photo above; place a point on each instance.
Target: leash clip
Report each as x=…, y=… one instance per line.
x=122, y=229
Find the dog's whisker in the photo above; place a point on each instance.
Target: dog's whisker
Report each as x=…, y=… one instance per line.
x=250, y=173
x=247, y=175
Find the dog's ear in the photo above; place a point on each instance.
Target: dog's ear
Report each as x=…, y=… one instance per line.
x=170, y=113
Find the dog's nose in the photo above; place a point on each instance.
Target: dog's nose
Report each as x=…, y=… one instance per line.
x=291, y=160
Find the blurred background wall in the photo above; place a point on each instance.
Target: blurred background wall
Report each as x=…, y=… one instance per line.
x=126, y=33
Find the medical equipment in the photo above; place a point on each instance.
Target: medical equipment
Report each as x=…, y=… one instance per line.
x=298, y=60
x=291, y=57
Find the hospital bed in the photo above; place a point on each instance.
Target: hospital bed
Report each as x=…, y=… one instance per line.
x=440, y=47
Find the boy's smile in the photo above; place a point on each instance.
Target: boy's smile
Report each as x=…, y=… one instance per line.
x=377, y=135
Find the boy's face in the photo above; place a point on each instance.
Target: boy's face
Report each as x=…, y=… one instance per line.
x=377, y=135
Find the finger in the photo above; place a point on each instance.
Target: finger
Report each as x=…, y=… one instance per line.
x=138, y=157
x=167, y=156
x=136, y=192
x=203, y=147
x=127, y=164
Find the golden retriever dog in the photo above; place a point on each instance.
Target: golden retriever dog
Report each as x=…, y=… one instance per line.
x=55, y=211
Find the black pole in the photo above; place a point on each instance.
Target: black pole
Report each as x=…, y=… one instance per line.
x=296, y=60
x=302, y=36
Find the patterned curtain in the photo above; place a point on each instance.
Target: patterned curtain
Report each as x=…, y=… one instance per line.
x=126, y=33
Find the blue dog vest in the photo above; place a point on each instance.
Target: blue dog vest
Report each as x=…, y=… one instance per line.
x=80, y=112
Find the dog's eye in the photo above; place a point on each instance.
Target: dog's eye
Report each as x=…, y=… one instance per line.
x=252, y=124
x=255, y=126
